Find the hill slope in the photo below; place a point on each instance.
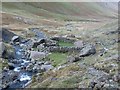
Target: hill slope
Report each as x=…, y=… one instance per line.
x=61, y=9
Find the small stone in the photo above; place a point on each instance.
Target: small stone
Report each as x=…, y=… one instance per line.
x=47, y=63
x=29, y=67
x=73, y=58
x=116, y=78
x=78, y=44
x=106, y=86
x=46, y=67
x=11, y=66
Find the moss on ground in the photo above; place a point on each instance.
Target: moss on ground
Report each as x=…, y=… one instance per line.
x=58, y=58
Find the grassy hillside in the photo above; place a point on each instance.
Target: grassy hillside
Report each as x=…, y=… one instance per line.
x=61, y=10
x=93, y=25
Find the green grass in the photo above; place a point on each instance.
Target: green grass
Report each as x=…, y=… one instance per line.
x=65, y=44
x=58, y=58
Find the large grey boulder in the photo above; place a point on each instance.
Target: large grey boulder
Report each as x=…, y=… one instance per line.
x=88, y=50
x=6, y=51
x=6, y=35
x=35, y=55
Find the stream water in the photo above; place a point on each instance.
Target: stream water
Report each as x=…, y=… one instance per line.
x=24, y=77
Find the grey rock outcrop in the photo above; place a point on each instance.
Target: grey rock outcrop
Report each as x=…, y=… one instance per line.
x=88, y=50
x=35, y=55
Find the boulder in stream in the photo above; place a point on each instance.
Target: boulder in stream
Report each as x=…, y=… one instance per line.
x=15, y=39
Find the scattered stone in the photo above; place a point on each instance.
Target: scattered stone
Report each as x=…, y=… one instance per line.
x=99, y=85
x=78, y=44
x=41, y=47
x=103, y=51
x=36, y=43
x=106, y=86
x=47, y=63
x=116, y=78
x=46, y=67
x=11, y=66
x=73, y=58
x=37, y=68
x=40, y=62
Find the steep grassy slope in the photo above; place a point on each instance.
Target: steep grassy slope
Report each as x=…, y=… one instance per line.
x=61, y=10
x=19, y=15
